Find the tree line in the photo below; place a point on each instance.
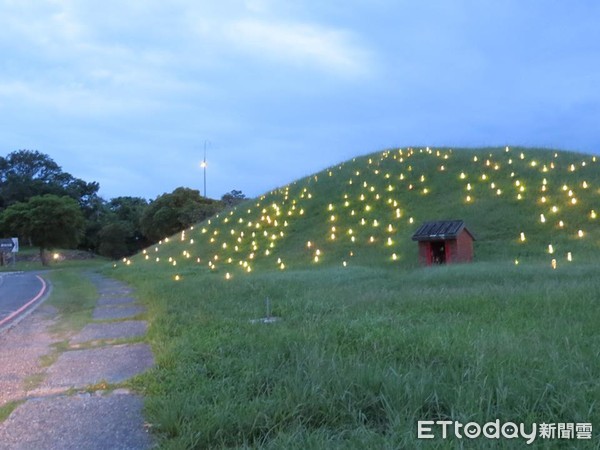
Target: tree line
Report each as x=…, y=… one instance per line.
x=49, y=208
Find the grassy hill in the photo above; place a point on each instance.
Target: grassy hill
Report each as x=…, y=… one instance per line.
x=368, y=343
x=364, y=211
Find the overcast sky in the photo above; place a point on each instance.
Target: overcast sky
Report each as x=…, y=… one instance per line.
x=127, y=92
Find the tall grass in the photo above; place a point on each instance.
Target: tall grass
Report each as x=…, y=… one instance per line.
x=360, y=355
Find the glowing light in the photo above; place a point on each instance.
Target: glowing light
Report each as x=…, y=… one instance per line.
x=569, y=257
x=516, y=262
x=309, y=244
x=228, y=276
x=499, y=192
x=542, y=218
x=573, y=201
x=394, y=257
x=462, y=176
x=177, y=278
x=580, y=233
x=593, y=214
x=553, y=263
x=555, y=209
x=561, y=224
x=522, y=237
x=468, y=198
x=550, y=249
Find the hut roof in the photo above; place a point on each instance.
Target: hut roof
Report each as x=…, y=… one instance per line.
x=440, y=229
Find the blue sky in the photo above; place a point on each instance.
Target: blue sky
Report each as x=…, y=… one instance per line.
x=126, y=92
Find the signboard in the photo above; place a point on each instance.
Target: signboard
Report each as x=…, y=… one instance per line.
x=10, y=245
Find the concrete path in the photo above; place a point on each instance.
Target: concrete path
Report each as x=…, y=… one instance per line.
x=70, y=404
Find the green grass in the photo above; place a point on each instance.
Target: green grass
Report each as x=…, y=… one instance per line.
x=365, y=350
x=360, y=355
x=7, y=409
x=74, y=295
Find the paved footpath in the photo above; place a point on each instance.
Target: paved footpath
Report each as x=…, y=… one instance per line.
x=66, y=405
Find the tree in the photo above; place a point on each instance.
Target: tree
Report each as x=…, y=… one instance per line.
x=173, y=212
x=233, y=198
x=120, y=233
x=113, y=239
x=26, y=173
x=48, y=221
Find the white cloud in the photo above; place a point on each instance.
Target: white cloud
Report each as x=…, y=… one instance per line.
x=301, y=45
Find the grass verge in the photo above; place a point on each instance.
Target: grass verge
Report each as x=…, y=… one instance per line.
x=74, y=295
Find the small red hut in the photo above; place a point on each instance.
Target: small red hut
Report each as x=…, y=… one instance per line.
x=444, y=242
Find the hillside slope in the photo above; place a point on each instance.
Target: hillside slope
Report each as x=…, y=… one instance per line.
x=521, y=204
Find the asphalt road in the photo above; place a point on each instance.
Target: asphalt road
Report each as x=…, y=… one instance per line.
x=20, y=292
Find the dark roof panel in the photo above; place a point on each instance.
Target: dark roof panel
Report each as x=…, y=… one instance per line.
x=440, y=229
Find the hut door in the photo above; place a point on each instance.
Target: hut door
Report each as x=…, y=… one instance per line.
x=438, y=252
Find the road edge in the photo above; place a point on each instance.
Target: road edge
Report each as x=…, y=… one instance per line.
x=14, y=318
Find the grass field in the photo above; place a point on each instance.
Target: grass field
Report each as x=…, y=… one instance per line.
x=369, y=343
x=360, y=355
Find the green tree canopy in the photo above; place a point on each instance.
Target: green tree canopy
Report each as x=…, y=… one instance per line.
x=173, y=212
x=26, y=173
x=120, y=233
x=48, y=221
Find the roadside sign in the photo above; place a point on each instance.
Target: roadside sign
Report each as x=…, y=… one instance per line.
x=9, y=245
